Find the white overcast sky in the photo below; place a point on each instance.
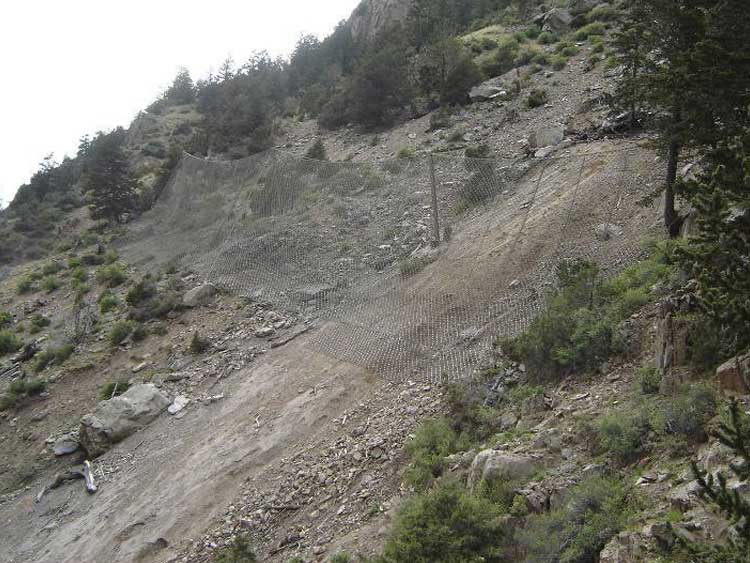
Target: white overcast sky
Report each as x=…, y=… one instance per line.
x=78, y=66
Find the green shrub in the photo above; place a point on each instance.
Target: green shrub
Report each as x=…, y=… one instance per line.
x=141, y=291
x=623, y=436
x=577, y=329
x=113, y=389
x=558, y=62
x=541, y=59
x=533, y=31
x=139, y=333
x=74, y=262
x=9, y=342
x=595, y=28
x=21, y=388
x=50, y=356
x=406, y=152
x=238, y=551
x=120, y=331
x=340, y=557
x=594, y=512
x=440, y=119
x=432, y=442
x=92, y=259
x=570, y=51
x=471, y=418
x=79, y=274
x=649, y=380
x=6, y=319
x=111, y=276
x=110, y=257
x=50, y=284
x=107, y=302
x=688, y=412
x=50, y=268
x=603, y=13
x=38, y=322
x=24, y=286
x=537, y=98
x=525, y=56
x=547, y=38
x=448, y=525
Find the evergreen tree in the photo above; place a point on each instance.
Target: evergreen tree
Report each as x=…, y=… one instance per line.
x=182, y=90
x=106, y=180
x=687, y=61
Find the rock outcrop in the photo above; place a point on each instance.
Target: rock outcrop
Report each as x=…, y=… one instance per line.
x=493, y=464
x=115, y=419
x=373, y=16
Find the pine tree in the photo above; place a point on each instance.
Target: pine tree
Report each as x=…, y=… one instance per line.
x=736, y=436
x=687, y=61
x=107, y=181
x=182, y=90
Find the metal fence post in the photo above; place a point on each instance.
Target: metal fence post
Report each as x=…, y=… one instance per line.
x=435, y=215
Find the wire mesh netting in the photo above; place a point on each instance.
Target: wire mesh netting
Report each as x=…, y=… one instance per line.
x=413, y=266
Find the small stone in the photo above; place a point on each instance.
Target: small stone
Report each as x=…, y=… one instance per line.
x=179, y=403
x=65, y=445
x=265, y=332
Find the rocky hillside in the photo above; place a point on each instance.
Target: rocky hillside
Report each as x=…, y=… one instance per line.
x=151, y=412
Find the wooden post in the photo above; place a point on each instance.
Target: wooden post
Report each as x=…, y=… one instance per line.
x=435, y=215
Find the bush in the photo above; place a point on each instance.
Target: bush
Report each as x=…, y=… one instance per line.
x=547, y=38
x=141, y=291
x=110, y=257
x=51, y=268
x=237, y=552
x=689, y=411
x=440, y=119
x=506, y=54
x=537, y=98
x=79, y=274
x=9, y=342
x=6, y=319
x=595, y=28
x=52, y=356
x=92, y=259
x=406, y=153
x=533, y=31
x=432, y=442
x=340, y=557
x=24, y=286
x=120, y=331
x=317, y=151
x=595, y=511
x=21, y=388
x=113, y=389
x=623, y=436
x=577, y=329
x=558, y=62
x=649, y=380
x=447, y=525
x=111, y=276
x=50, y=284
x=107, y=302
x=38, y=322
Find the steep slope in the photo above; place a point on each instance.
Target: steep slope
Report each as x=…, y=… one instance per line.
x=373, y=16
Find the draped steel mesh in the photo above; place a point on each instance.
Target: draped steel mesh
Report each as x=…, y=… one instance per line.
x=412, y=266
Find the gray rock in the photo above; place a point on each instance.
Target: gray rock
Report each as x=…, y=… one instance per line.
x=578, y=7
x=114, y=420
x=546, y=136
x=265, y=332
x=557, y=20
x=314, y=293
x=66, y=444
x=606, y=231
x=492, y=464
x=199, y=295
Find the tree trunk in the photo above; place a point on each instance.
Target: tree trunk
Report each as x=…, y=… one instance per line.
x=671, y=219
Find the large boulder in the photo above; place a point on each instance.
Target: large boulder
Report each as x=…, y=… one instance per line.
x=547, y=135
x=557, y=20
x=625, y=547
x=199, y=295
x=114, y=420
x=493, y=464
x=734, y=375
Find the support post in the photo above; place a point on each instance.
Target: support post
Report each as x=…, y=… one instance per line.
x=435, y=214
